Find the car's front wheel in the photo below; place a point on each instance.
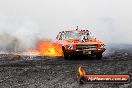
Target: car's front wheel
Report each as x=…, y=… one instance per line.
x=66, y=55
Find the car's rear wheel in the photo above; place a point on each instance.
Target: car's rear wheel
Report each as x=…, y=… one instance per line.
x=99, y=56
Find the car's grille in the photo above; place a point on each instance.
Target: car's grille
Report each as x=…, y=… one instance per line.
x=86, y=46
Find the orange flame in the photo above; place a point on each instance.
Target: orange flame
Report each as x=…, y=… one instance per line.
x=48, y=48
x=81, y=71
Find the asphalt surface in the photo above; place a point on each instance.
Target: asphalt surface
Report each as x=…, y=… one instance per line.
x=55, y=72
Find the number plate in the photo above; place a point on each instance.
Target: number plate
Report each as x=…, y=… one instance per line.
x=86, y=52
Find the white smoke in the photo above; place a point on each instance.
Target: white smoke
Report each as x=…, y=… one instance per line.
x=24, y=22
x=18, y=37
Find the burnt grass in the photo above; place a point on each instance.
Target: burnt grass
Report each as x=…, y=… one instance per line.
x=55, y=72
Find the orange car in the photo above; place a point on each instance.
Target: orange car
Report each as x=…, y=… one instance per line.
x=80, y=42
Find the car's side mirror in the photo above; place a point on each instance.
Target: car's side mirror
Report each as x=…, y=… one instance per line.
x=57, y=36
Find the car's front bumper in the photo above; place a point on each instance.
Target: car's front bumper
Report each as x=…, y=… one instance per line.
x=86, y=51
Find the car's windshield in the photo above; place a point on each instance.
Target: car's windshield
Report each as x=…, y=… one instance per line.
x=72, y=35
x=77, y=35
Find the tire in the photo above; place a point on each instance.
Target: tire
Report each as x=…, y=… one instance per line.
x=66, y=55
x=99, y=56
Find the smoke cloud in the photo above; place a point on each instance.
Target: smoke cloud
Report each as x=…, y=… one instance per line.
x=23, y=23
x=18, y=37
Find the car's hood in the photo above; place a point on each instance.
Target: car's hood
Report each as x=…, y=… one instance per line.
x=89, y=41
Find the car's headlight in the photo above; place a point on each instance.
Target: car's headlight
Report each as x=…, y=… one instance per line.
x=102, y=45
x=70, y=46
